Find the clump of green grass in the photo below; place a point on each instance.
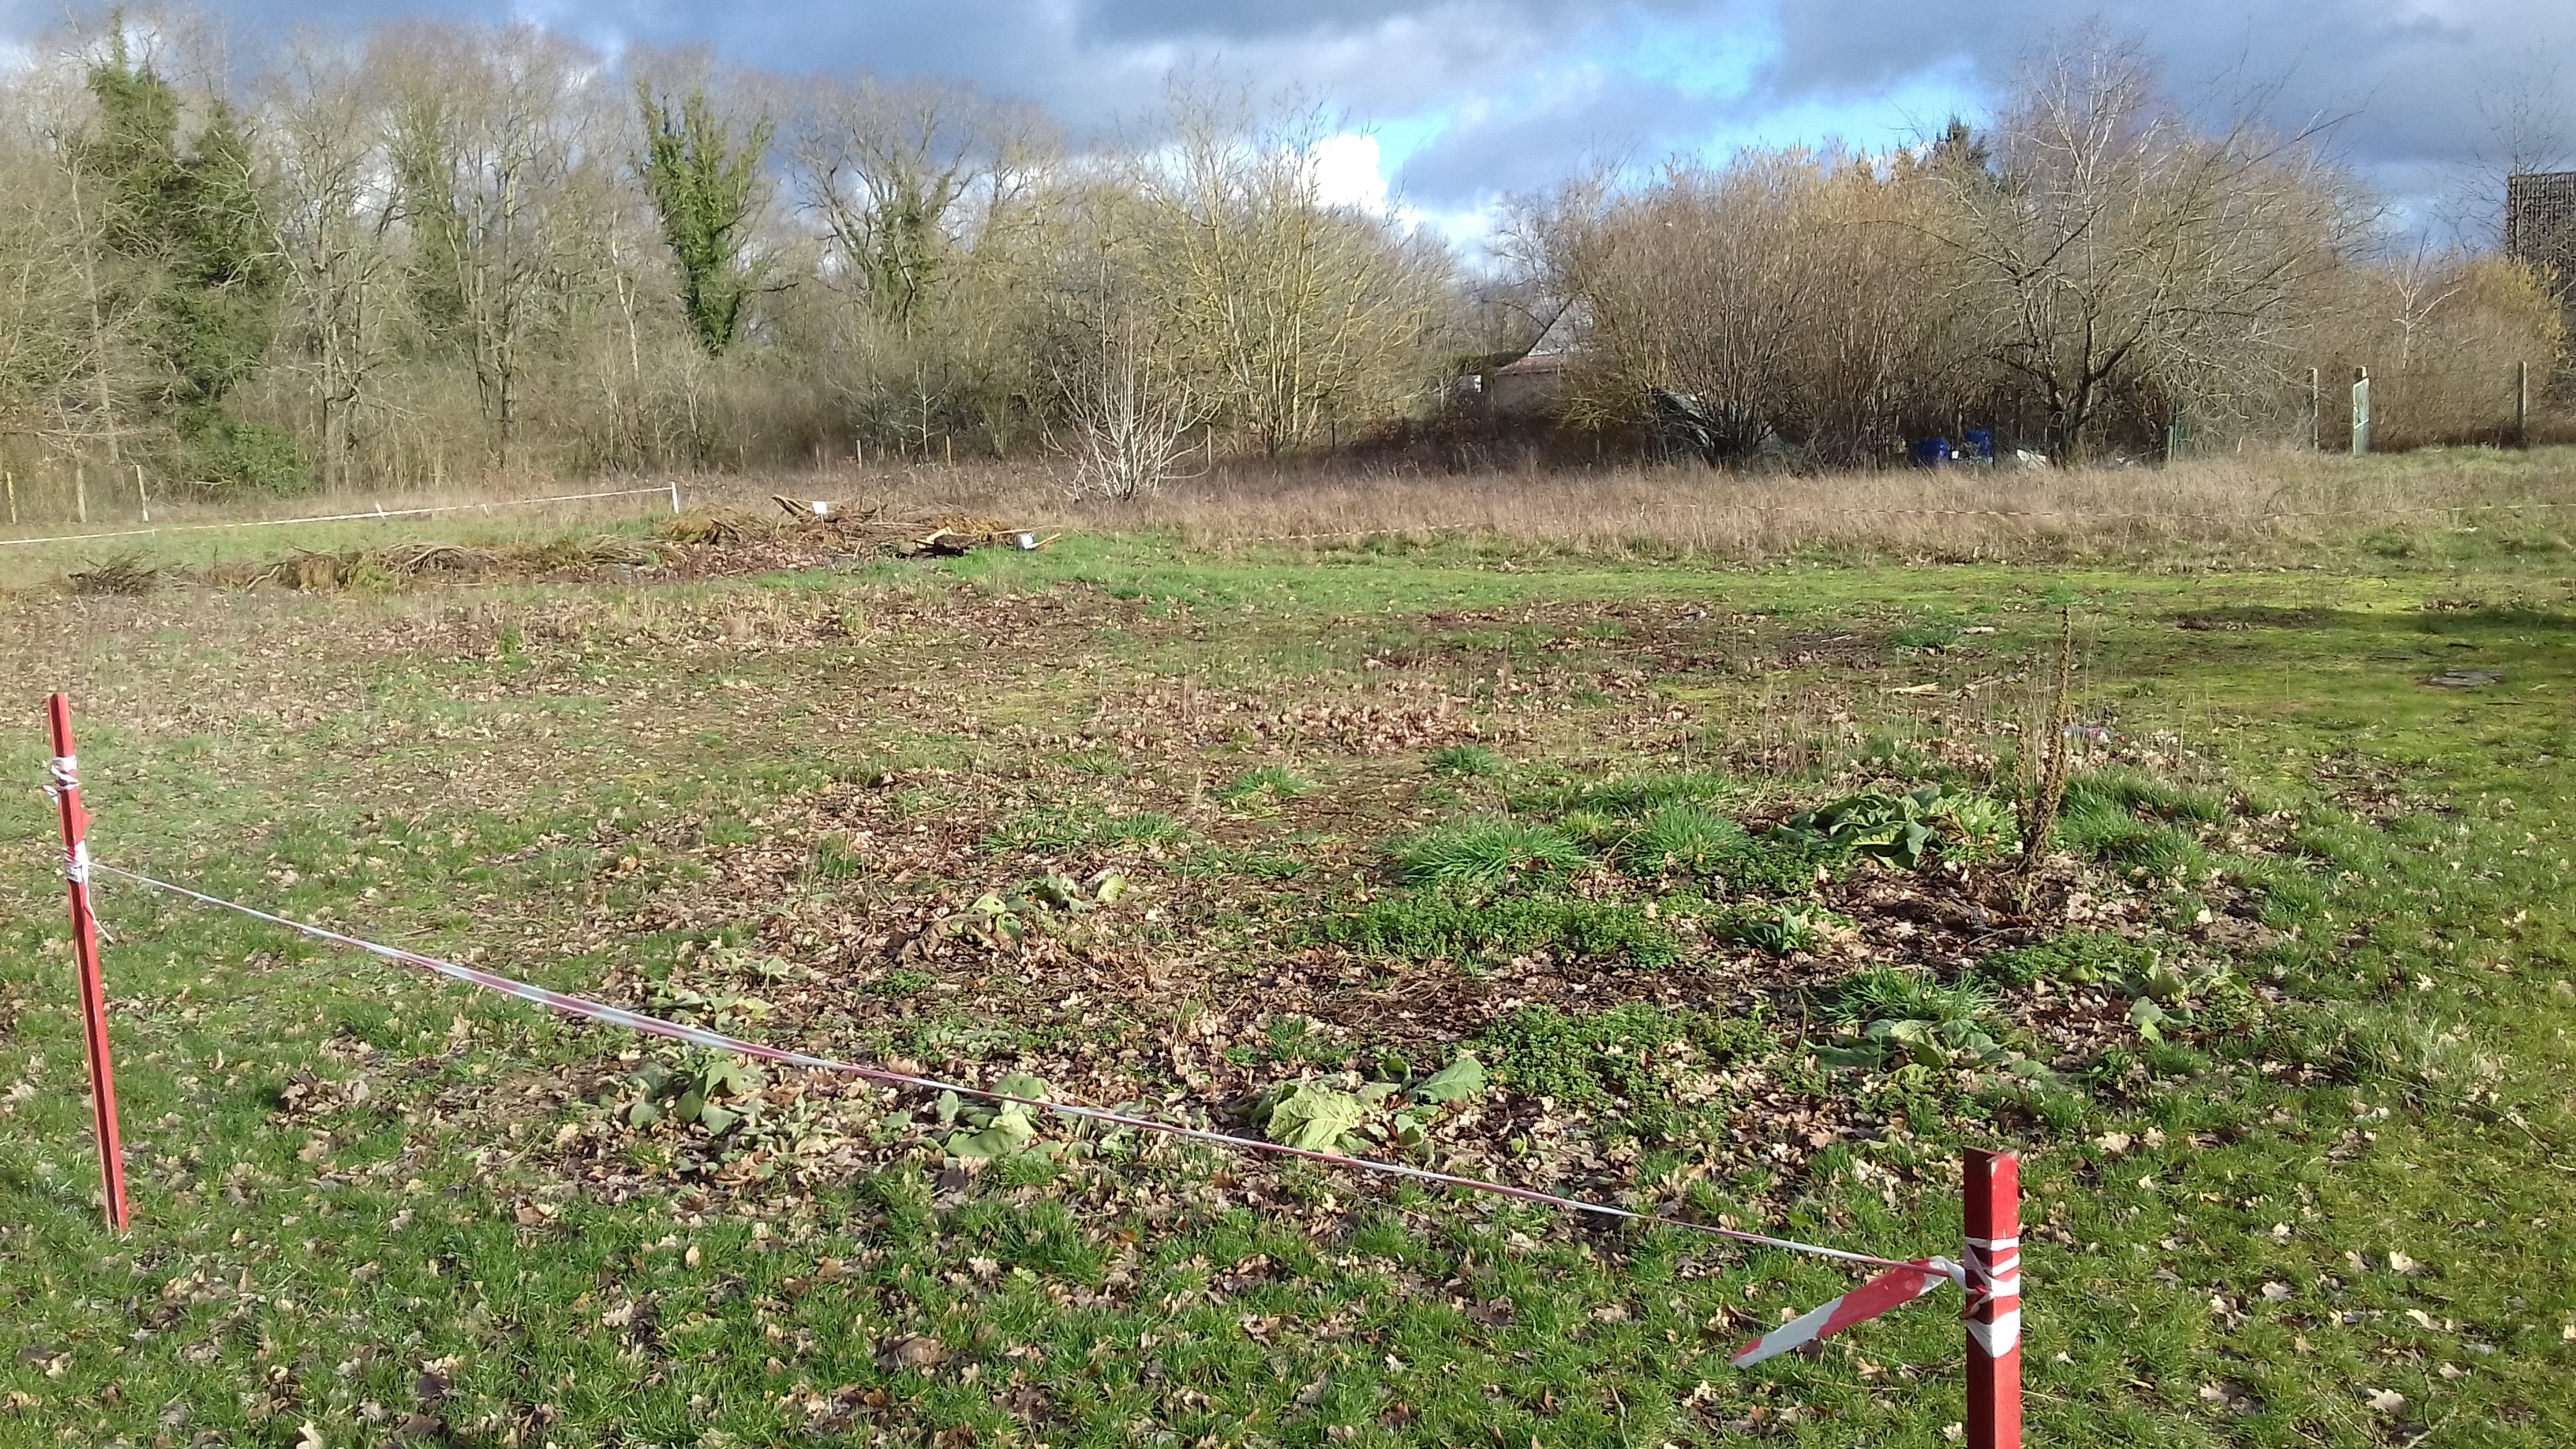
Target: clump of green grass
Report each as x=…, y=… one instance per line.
x=1075, y=827
x=1486, y=850
x=2142, y=795
x=1474, y=761
x=2115, y=837
x=1886, y=993
x=1273, y=781
x=1682, y=839
x=2436, y=1062
x=1913, y=1016
x=1439, y=925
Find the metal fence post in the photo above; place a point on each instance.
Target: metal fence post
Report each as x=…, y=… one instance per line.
x=1992, y=1191
x=65, y=786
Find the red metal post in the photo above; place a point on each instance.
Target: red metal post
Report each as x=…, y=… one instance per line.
x=93, y=988
x=1993, y=1201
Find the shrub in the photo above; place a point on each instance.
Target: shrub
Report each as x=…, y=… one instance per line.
x=1485, y=851
x=230, y=457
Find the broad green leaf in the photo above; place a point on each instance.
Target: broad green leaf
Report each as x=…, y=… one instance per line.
x=2148, y=1018
x=716, y=1119
x=1010, y=1132
x=644, y=1113
x=1315, y=1119
x=1456, y=1082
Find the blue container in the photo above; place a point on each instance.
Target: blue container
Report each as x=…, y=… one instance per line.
x=1980, y=445
x=1931, y=452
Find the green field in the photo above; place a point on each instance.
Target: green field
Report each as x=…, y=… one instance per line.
x=2280, y=1024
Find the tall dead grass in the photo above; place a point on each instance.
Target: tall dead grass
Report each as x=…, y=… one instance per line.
x=2243, y=508
x=2246, y=509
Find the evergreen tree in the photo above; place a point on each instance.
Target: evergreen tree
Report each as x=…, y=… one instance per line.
x=188, y=227
x=193, y=263
x=706, y=192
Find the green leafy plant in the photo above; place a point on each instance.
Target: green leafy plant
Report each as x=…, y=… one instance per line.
x=1911, y=1015
x=992, y=1129
x=1586, y=1060
x=1905, y=830
x=1486, y=850
x=695, y=1086
x=1313, y=1117
x=1784, y=930
x=1978, y=829
x=1001, y=920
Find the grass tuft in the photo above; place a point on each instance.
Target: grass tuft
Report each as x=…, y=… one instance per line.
x=1485, y=850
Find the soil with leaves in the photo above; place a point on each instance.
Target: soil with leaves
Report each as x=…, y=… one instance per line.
x=1700, y=895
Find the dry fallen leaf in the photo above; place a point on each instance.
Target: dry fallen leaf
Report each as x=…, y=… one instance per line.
x=2399, y=1263
x=2276, y=1292
x=911, y=1351
x=2114, y=1143
x=2385, y=1401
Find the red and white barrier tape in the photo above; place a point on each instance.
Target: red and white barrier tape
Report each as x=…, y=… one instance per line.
x=1892, y=1289
x=602, y=1012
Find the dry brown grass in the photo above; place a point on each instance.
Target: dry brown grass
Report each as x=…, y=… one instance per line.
x=2243, y=508
x=2247, y=509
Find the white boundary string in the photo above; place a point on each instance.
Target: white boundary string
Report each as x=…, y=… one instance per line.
x=665, y=490
x=601, y=1011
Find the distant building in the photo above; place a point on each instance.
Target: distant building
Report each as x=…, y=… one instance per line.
x=2540, y=227
x=1529, y=384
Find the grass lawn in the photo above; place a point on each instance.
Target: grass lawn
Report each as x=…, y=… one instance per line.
x=2280, y=1025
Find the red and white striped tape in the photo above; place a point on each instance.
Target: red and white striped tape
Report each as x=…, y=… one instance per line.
x=1892, y=1289
x=601, y=1011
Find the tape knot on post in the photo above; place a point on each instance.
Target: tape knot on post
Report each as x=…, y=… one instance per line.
x=76, y=863
x=1992, y=1281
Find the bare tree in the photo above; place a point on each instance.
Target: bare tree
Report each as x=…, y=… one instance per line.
x=2112, y=251
x=499, y=150
x=1291, y=311
x=335, y=211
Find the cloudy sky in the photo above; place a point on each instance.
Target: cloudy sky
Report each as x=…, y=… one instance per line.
x=1453, y=102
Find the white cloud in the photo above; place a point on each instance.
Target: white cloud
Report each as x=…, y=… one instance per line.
x=1347, y=171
